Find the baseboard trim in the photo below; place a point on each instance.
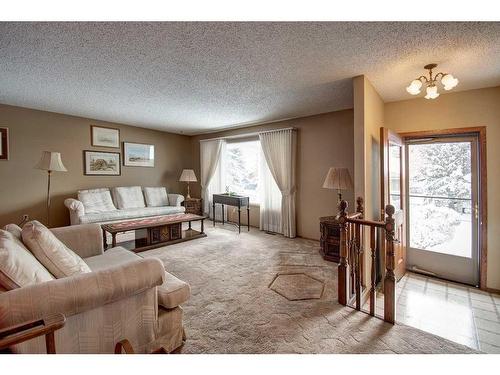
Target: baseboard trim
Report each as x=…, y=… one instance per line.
x=492, y=290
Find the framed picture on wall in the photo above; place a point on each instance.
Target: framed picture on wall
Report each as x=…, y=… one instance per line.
x=4, y=144
x=97, y=163
x=104, y=137
x=138, y=155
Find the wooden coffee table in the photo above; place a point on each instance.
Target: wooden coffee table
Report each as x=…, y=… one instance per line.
x=153, y=232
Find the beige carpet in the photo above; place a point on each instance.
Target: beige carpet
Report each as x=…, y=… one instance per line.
x=239, y=305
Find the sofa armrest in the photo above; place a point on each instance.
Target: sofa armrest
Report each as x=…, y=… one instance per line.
x=77, y=294
x=76, y=210
x=85, y=239
x=175, y=199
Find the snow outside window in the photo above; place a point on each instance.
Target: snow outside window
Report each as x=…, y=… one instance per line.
x=440, y=197
x=242, y=168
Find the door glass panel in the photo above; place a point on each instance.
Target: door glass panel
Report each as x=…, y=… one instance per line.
x=440, y=193
x=395, y=176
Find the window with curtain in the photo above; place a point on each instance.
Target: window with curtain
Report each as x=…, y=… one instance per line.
x=254, y=167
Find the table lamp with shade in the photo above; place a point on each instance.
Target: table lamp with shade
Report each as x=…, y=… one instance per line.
x=188, y=176
x=50, y=162
x=338, y=179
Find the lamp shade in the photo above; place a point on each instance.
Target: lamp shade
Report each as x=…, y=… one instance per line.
x=414, y=87
x=432, y=92
x=51, y=161
x=338, y=178
x=188, y=176
x=449, y=81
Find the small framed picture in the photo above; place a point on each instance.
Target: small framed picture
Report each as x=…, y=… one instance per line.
x=138, y=155
x=4, y=144
x=104, y=137
x=97, y=163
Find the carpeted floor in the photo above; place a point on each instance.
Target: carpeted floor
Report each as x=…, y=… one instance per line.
x=234, y=310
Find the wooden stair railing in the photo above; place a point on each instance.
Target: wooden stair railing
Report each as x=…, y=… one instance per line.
x=351, y=265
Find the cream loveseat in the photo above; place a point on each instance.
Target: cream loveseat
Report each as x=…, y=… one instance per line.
x=106, y=205
x=118, y=296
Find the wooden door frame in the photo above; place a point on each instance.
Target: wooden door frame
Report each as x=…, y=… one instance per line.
x=480, y=133
x=395, y=137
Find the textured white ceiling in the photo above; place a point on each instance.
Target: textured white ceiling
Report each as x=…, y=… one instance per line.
x=195, y=77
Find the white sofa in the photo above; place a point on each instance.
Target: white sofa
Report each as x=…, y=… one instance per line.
x=106, y=205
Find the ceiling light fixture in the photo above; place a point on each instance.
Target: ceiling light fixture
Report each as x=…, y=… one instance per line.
x=447, y=80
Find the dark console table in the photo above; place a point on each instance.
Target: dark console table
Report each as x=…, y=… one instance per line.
x=232, y=200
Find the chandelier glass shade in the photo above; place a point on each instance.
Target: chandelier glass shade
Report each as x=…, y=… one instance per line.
x=446, y=79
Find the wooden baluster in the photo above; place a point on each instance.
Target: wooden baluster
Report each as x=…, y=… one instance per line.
x=390, y=278
x=360, y=208
x=362, y=256
x=343, y=264
x=50, y=343
x=357, y=251
x=351, y=258
x=373, y=292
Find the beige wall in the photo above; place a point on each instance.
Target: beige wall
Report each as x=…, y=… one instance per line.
x=23, y=188
x=454, y=110
x=358, y=84
x=323, y=141
x=368, y=118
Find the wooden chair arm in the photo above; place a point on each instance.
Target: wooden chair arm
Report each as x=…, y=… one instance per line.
x=125, y=346
x=19, y=333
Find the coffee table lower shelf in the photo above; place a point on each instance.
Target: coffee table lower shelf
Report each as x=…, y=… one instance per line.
x=155, y=232
x=137, y=245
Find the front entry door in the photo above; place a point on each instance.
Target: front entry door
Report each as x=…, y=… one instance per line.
x=392, y=169
x=443, y=207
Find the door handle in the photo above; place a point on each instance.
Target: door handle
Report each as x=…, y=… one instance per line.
x=476, y=211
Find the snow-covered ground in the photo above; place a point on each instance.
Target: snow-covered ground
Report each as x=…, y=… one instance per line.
x=460, y=243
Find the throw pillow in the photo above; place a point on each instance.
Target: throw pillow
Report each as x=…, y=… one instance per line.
x=156, y=196
x=18, y=267
x=128, y=197
x=51, y=252
x=96, y=200
x=15, y=230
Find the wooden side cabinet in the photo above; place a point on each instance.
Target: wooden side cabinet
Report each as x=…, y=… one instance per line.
x=193, y=206
x=330, y=238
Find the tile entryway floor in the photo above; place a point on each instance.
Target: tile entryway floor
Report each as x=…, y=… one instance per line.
x=454, y=311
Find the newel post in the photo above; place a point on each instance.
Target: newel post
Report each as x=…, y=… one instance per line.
x=343, y=264
x=390, y=263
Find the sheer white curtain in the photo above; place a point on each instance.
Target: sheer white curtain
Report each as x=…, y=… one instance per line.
x=211, y=171
x=279, y=149
x=270, y=199
x=217, y=185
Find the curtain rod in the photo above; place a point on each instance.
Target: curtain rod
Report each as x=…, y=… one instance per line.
x=245, y=135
